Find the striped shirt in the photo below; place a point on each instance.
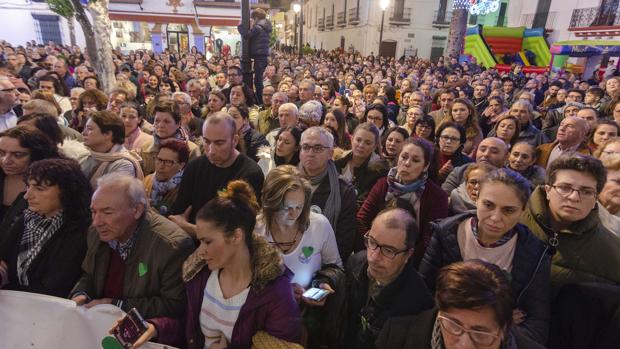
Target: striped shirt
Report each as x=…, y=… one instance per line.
x=218, y=315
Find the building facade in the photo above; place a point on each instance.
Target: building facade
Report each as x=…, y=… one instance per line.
x=177, y=25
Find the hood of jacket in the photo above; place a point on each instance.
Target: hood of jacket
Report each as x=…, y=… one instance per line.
x=265, y=25
x=266, y=261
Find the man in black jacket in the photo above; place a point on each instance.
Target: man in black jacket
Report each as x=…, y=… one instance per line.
x=258, y=35
x=381, y=281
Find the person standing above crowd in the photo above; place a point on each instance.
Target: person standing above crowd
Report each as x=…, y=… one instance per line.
x=258, y=37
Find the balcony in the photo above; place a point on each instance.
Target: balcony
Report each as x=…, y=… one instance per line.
x=442, y=19
x=527, y=20
x=400, y=16
x=354, y=17
x=264, y=4
x=329, y=22
x=341, y=21
x=321, y=24
x=592, y=17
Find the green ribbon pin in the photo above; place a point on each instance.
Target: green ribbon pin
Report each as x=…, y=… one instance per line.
x=307, y=251
x=142, y=269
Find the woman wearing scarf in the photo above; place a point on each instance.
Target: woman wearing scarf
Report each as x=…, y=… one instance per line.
x=167, y=125
x=135, y=139
x=163, y=185
x=407, y=186
x=104, y=135
x=493, y=233
x=43, y=250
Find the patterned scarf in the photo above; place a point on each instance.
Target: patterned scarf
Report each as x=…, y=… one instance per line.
x=124, y=248
x=180, y=134
x=409, y=192
x=38, y=230
x=504, y=239
x=160, y=189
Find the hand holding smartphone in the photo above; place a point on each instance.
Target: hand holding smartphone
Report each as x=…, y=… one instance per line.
x=130, y=328
x=316, y=294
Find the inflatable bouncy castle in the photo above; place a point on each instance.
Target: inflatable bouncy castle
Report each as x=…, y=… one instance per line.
x=499, y=47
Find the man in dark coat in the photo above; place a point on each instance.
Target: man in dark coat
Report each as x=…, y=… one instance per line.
x=381, y=280
x=258, y=35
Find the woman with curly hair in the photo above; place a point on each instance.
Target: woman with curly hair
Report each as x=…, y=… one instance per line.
x=43, y=250
x=89, y=102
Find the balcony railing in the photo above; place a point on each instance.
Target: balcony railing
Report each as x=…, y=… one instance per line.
x=593, y=17
x=341, y=20
x=527, y=20
x=329, y=22
x=400, y=16
x=321, y=24
x=354, y=17
x=442, y=19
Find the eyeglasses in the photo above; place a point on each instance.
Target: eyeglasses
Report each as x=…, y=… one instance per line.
x=166, y=163
x=566, y=190
x=387, y=251
x=479, y=337
x=449, y=139
x=10, y=89
x=317, y=148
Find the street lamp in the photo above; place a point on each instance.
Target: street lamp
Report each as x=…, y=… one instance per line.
x=384, y=5
x=296, y=9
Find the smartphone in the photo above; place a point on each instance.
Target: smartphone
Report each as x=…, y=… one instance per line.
x=132, y=326
x=316, y=294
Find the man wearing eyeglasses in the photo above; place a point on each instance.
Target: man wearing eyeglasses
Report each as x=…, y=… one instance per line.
x=585, y=270
x=382, y=282
x=564, y=214
x=8, y=100
x=332, y=196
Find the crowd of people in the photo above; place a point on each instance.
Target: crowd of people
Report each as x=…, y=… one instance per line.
x=435, y=204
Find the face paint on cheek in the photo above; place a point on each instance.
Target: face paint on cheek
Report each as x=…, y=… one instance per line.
x=283, y=218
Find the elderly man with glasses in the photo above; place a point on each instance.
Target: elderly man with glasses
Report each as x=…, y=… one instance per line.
x=8, y=101
x=382, y=282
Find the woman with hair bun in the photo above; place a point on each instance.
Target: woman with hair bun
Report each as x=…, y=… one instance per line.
x=236, y=282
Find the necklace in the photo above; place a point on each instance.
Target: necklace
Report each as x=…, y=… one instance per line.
x=285, y=246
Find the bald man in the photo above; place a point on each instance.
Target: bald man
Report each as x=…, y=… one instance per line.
x=492, y=151
x=571, y=137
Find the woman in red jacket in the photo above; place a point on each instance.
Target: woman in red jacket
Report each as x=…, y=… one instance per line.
x=407, y=186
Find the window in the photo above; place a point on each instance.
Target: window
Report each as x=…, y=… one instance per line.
x=47, y=28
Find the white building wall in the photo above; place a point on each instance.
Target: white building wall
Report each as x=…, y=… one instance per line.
x=560, y=13
x=418, y=35
x=18, y=26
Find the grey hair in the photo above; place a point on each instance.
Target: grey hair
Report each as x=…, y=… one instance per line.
x=525, y=104
x=290, y=107
x=193, y=82
x=131, y=186
x=308, y=81
x=321, y=131
x=278, y=94
x=185, y=96
x=311, y=110
x=79, y=90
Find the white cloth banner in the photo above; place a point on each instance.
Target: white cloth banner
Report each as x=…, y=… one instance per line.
x=32, y=321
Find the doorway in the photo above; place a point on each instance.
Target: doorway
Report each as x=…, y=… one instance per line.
x=387, y=49
x=178, y=38
x=342, y=42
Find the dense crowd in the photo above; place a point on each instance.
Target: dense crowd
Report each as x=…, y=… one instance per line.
x=436, y=204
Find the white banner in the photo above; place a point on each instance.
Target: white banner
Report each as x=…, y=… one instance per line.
x=32, y=321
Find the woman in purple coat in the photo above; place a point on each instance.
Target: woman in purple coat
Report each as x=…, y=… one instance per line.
x=236, y=282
